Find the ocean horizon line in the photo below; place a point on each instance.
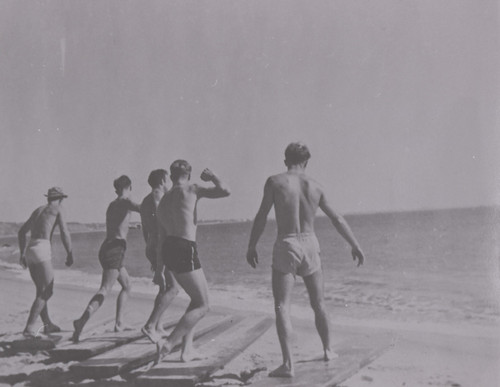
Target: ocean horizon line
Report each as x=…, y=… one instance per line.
x=9, y=229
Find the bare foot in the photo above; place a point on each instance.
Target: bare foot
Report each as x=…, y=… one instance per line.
x=163, y=348
x=283, y=371
x=151, y=335
x=51, y=328
x=29, y=334
x=78, y=330
x=122, y=327
x=330, y=355
x=191, y=355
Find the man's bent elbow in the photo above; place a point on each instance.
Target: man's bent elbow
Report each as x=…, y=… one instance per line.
x=338, y=220
x=225, y=192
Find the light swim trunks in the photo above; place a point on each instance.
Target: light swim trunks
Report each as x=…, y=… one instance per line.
x=297, y=254
x=38, y=251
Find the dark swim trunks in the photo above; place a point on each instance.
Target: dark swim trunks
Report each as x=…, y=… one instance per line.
x=111, y=253
x=180, y=255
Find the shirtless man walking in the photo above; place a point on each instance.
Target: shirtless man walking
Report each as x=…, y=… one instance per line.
x=158, y=181
x=177, y=252
x=37, y=256
x=296, y=197
x=111, y=255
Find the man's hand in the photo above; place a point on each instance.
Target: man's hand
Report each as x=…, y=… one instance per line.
x=22, y=262
x=207, y=175
x=252, y=257
x=358, y=254
x=159, y=279
x=69, y=259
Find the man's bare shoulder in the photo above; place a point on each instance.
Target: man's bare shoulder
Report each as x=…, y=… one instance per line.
x=312, y=182
x=275, y=179
x=283, y=177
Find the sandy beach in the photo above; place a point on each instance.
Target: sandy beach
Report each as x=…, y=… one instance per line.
x=432, y=353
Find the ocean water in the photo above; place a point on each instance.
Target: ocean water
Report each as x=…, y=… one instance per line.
x=425, y=265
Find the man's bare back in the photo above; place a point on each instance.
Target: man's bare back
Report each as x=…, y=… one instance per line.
x=44, y=220
x=177, y=211
x=296, y=198
x=118, y=216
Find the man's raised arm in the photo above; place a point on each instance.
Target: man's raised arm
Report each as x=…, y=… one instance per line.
x=343, y=229
x=219, y=191
x=133, y=206
x=259, y=224
x=144, y=223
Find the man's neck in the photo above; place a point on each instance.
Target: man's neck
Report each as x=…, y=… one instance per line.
x=181, y=182
x=298, y=169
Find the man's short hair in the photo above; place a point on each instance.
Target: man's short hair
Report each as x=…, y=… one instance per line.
x=121, y=183
x=296, y=153
x=156, y=177
x=179, y=168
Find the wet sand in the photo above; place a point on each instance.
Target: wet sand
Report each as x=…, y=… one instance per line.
x=452, y=353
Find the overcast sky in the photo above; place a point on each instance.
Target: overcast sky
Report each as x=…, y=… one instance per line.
x=398, y=100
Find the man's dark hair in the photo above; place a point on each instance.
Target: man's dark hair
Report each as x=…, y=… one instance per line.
x=121, y=183
x=179, y=168
x=296, y=153
x=156, y=177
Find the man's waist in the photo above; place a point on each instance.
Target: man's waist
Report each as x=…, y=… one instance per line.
x=296, y=235
x=183, y=237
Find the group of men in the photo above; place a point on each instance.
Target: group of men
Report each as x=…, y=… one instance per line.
x=169, y=223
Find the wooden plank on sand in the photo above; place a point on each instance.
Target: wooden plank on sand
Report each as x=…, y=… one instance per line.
x=354, y=354
x=98, y=344
x=140, y=352
x=217, y=353
x=18, y=343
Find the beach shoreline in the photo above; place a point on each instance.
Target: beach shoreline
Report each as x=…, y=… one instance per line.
x=462, y=352
x=430, y=281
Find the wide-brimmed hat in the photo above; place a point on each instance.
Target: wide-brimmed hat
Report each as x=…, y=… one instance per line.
x=55, y=193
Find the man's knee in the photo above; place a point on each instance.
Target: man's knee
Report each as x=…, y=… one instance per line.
x=127, y=287
x=202, y=306
x=280, y=307
x=46, y=292
x=97, y=299
x=318, y=306
x=171, y=288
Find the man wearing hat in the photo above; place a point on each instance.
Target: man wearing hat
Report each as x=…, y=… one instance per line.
x=37, y=256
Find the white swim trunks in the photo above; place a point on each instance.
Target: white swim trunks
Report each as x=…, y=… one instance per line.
x=297, y=254
x=39, y=250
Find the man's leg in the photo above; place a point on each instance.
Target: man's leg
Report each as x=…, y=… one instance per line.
x=172, y=289
x=43, y=277
x=124, y=280
x=315, y=287
x=195, y=285
x=153, y=328
x=109, y=277
x=282, y=290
